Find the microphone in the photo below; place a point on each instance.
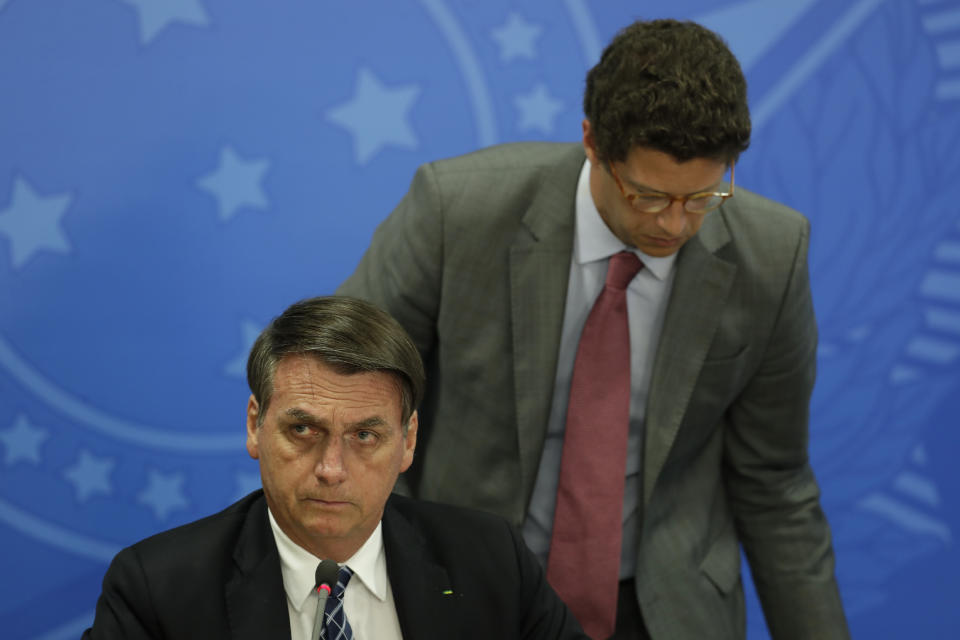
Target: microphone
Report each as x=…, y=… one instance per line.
x=326, y=577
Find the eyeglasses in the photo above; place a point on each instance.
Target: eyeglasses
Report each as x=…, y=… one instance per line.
x=652, y=202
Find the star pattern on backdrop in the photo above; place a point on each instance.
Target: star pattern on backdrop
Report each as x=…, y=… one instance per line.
x=377, y=116
x=163, y=494
x=538, y=109
x=90, y=475
x=33, y=222
x=237, y=367
x=517, y=38
x=156, y=15
x=236, y=183
x=21, y=441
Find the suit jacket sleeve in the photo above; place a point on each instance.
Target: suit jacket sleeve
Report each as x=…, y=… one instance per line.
x=124, y=610
x=545, y=616
x=542, y=615
x=401, y=270
x=773, y=493
x=501, y=590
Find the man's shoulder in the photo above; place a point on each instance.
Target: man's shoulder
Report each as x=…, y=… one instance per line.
x=212, y=534
x=751, y=224
x=512, y=157
x=435, y=517
x=489, y=190
x=750, y=207
x=464, y=541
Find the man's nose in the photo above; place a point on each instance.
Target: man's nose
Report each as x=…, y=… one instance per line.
x=330, y=466
x=673, y=219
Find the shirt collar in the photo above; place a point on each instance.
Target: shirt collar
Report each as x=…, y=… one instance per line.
x=299, y=566
x=594, y=241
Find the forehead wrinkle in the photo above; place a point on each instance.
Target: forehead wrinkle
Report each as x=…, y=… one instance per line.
x=312, y=391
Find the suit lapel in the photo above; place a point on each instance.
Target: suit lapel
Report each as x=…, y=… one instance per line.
x=700, y=290
x=256, y=599
x=418, y=582
x=539, y=272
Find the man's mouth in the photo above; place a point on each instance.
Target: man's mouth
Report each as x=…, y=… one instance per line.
x=663, y=241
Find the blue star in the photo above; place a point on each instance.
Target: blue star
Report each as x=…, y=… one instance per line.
x=236, y=183
x=156, y=15
x=32, y=222
x=163, y=494
x=538, y=109
x=516, y=38
x=377, y=116
x=22, y=441
x=246, y=483
x=237, y=367
x=90, y=475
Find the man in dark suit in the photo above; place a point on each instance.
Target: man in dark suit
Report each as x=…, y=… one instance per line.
x=332, y=420
x=493, y=262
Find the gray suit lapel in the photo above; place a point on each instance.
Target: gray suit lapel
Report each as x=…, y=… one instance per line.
x=539, y=272
x=700, y=289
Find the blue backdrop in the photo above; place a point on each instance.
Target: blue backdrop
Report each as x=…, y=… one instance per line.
x=173, y=173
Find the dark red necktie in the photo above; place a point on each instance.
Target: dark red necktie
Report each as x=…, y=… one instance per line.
x=584, y=561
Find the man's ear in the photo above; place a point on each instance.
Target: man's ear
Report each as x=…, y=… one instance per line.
x=409, y=442
x=253, y=429
x=590, y=143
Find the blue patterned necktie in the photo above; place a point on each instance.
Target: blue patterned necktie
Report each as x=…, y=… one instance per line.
x=335, y=625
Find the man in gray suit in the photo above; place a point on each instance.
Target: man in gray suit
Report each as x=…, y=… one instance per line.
x=493, y=261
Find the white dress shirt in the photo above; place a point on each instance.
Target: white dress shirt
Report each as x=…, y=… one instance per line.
x=367, y=601
x=647, y=296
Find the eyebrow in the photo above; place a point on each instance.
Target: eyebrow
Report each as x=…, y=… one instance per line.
x=642, y=188
x=367, y=423
x=302, y=416
x=308, y=418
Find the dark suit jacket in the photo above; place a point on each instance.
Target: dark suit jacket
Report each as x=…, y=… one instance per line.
x=474, y=263
x=220, y=578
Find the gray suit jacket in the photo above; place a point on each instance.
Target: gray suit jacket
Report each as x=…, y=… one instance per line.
x=474, y=264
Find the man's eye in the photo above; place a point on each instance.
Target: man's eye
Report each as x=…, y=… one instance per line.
x=366, y=436
x=300, y=429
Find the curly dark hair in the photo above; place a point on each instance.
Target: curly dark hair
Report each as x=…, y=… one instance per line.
x=671, y=86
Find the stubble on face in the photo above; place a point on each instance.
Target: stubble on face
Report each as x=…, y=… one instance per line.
x=330, y=449
x=649, y=170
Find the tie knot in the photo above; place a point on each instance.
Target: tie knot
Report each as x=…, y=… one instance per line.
x=343, y=577
x=622, y=268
